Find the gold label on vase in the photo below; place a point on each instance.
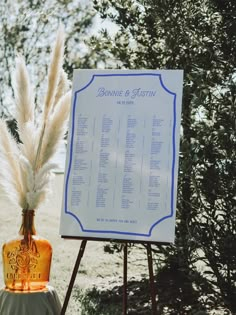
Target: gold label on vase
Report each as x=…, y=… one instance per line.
x=24, y=257
x=24, y=276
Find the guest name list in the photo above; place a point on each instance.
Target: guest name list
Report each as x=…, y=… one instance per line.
x=121, y=159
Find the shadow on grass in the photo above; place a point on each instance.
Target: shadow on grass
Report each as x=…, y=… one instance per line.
x=175, y=295
x=109, y=301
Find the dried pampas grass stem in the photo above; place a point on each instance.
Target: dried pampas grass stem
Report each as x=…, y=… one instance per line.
x=54, y=71
x=27, y=165
x=23, y=95
x=55, y=129
x=10, y=176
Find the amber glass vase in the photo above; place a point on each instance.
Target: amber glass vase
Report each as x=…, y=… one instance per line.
x=27, y=258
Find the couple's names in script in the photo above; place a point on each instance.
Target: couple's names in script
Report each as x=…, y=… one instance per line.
x=134, y=93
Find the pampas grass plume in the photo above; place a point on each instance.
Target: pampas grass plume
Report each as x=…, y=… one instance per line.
x=27, y=166
x=10, y=172
x=54, y=71
x=55, y=129
x=23, y=95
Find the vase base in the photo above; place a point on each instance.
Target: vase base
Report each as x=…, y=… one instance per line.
x=26, y=287
x=45, y=289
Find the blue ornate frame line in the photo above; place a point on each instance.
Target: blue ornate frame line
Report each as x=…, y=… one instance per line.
x=173, y=157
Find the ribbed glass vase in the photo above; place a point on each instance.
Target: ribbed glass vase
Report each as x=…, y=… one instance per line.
x=27, y=258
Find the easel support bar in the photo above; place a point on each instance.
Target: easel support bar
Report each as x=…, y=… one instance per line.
x=151, y=277
x=74, y=274
x=125, y=280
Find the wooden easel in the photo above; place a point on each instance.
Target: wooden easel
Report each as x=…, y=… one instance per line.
x=150, y=268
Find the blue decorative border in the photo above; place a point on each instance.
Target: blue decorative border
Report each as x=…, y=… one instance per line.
x=173, y=160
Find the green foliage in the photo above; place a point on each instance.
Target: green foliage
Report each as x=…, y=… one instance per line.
x=96, y=302
x=180, y=298
x=199, y=37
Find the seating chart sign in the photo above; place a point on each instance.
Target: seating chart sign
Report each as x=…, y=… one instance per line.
x=122, y=155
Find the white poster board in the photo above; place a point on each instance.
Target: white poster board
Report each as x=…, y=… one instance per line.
x=122, y=155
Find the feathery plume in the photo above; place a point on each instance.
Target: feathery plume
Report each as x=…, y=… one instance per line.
x=8, y=185
x=27, y=167
x=26, y=170
x=11, y=172
x=44, y=175
x=62, y=88
x=55, y=129
x=53, y=80
x=35, y=198
x=54, y=71
x=29, y=139
x=23, y=94
x=37, y=183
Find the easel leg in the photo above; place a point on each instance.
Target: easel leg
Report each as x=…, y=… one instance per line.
x=125, y=280
x=151, y=277
x=74, y=274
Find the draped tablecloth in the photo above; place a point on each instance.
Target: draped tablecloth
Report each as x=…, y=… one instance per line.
x=33, y=303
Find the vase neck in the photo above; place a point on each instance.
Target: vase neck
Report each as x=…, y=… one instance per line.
x=27, y=224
